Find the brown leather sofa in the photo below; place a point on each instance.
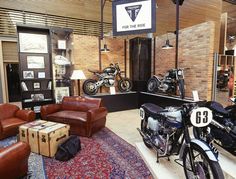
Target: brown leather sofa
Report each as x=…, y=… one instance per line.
x=14, y=160
x=84, y=115
x=11, y=117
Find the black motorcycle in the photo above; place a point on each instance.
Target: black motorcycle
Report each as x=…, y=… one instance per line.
x=222, y=129
x=167, y=131
x=106, y=78
x=168, y=83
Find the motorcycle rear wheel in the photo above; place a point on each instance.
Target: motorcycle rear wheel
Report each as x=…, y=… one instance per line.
x=152, y=85
x=89, y=87
x=125, y=85
x=181, y=89
x=205, y=168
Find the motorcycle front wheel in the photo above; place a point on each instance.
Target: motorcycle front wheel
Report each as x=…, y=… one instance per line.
x=89, y=87
x=205, y=168
x=152, y=85
x=181, y=89
x=124, y=85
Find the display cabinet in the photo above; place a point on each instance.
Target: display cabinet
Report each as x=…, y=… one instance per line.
x=35, y=67
x=62, y=46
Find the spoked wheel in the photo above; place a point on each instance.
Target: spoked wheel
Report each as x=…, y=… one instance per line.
x=124, y=85
x=89, y=87
x=152, y=85
x=181, y=89
x=143, y=129
x=205, y=168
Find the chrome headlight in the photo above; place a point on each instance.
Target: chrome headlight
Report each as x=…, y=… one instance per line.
x=142, y=113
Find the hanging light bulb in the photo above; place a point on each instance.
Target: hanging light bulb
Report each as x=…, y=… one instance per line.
x=105, y=48
x=167, y=44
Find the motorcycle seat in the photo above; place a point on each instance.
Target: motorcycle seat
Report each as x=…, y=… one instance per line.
x=152, y=109
x=217, y=107
x=94, y=71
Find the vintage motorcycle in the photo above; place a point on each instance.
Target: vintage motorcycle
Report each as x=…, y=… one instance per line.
x=106, y=78
x=222, y=129
x=166, y=130
x=168, y=83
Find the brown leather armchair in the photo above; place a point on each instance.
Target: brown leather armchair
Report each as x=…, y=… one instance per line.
x=84, y=115
x=11, y=117
x=14, y=160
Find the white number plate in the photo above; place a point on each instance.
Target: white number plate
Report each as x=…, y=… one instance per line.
x=142, y=113
x=201, y=117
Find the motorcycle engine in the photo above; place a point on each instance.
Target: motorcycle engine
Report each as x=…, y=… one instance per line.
x=160, y=133
x=109, y=81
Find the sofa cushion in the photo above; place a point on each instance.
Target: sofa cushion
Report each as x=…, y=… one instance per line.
x=80, y=103
x=7, y=110
x=10, y=123
x=67, y=116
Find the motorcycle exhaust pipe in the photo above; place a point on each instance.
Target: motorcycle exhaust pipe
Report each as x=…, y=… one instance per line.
x=219, y=125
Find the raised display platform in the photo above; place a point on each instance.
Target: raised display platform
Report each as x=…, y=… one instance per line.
x=133, y=100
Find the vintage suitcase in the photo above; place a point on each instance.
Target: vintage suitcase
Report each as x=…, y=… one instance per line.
x=23, y=129
x=51, y=137
x=34, y=135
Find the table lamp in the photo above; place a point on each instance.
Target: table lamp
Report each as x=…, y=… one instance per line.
x=78, y=75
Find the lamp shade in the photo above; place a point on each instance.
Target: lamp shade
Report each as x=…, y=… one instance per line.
x=105, y=49
x=60, y=60
x=167, y=45
x=77, y=75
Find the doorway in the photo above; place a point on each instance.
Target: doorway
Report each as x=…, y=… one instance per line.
x=13, y=82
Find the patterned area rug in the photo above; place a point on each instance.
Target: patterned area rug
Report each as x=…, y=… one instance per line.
x=105, y=155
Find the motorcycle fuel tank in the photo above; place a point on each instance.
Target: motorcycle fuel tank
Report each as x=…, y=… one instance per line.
x=109, y=70
x=174, y=117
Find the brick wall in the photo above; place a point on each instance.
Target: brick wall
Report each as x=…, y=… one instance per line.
x=86, y=55
x=196, y=47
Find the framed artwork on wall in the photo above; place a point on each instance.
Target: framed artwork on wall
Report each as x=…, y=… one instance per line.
x=41, y=74
x=33, y=43
x=36, y=85
x=37, y=97
x=28, y=74
x=35, y=62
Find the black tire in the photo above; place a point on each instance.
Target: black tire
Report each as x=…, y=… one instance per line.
x=205, y=167
x=125, y=85
x=181, y=88
x=89, y=87
x=143, y=129
x=152, y=85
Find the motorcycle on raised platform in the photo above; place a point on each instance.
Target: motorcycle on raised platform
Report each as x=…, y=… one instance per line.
x=166, y=130
x=222, y=129
x=106, y=78
x=169, y=83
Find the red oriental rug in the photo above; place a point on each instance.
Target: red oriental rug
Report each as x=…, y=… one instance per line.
x=105, y=155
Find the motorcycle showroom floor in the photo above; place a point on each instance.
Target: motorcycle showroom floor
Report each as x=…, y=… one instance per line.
x=125, y=124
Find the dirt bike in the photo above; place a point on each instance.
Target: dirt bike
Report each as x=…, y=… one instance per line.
x=168, y=83
x=166, y=130
x=222, y=129
x=106, y=78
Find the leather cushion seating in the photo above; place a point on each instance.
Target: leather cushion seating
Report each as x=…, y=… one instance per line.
x=14, y=160
x=11, y=117
x=84, y=115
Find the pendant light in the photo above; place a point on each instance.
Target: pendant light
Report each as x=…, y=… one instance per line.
x=167, y=44
x=105, y=48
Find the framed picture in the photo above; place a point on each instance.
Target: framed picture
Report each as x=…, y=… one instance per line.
x=61, y=44
x=23, y=86
x=41, y=74
x=36, y=85
x=60, y=92
x=35, y=62
x=28, y=74
x=37, y=97
x=33, y=43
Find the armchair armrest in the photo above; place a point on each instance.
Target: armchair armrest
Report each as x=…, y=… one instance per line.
x=26, y=115
x=49, y=109
x=97, y=113
x=14, y=160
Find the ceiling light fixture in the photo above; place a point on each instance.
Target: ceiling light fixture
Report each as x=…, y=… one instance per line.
x=167, y=44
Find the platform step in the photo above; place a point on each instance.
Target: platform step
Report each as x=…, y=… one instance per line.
x=171, y=170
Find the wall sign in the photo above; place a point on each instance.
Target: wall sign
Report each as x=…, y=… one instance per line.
x=133, y=17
